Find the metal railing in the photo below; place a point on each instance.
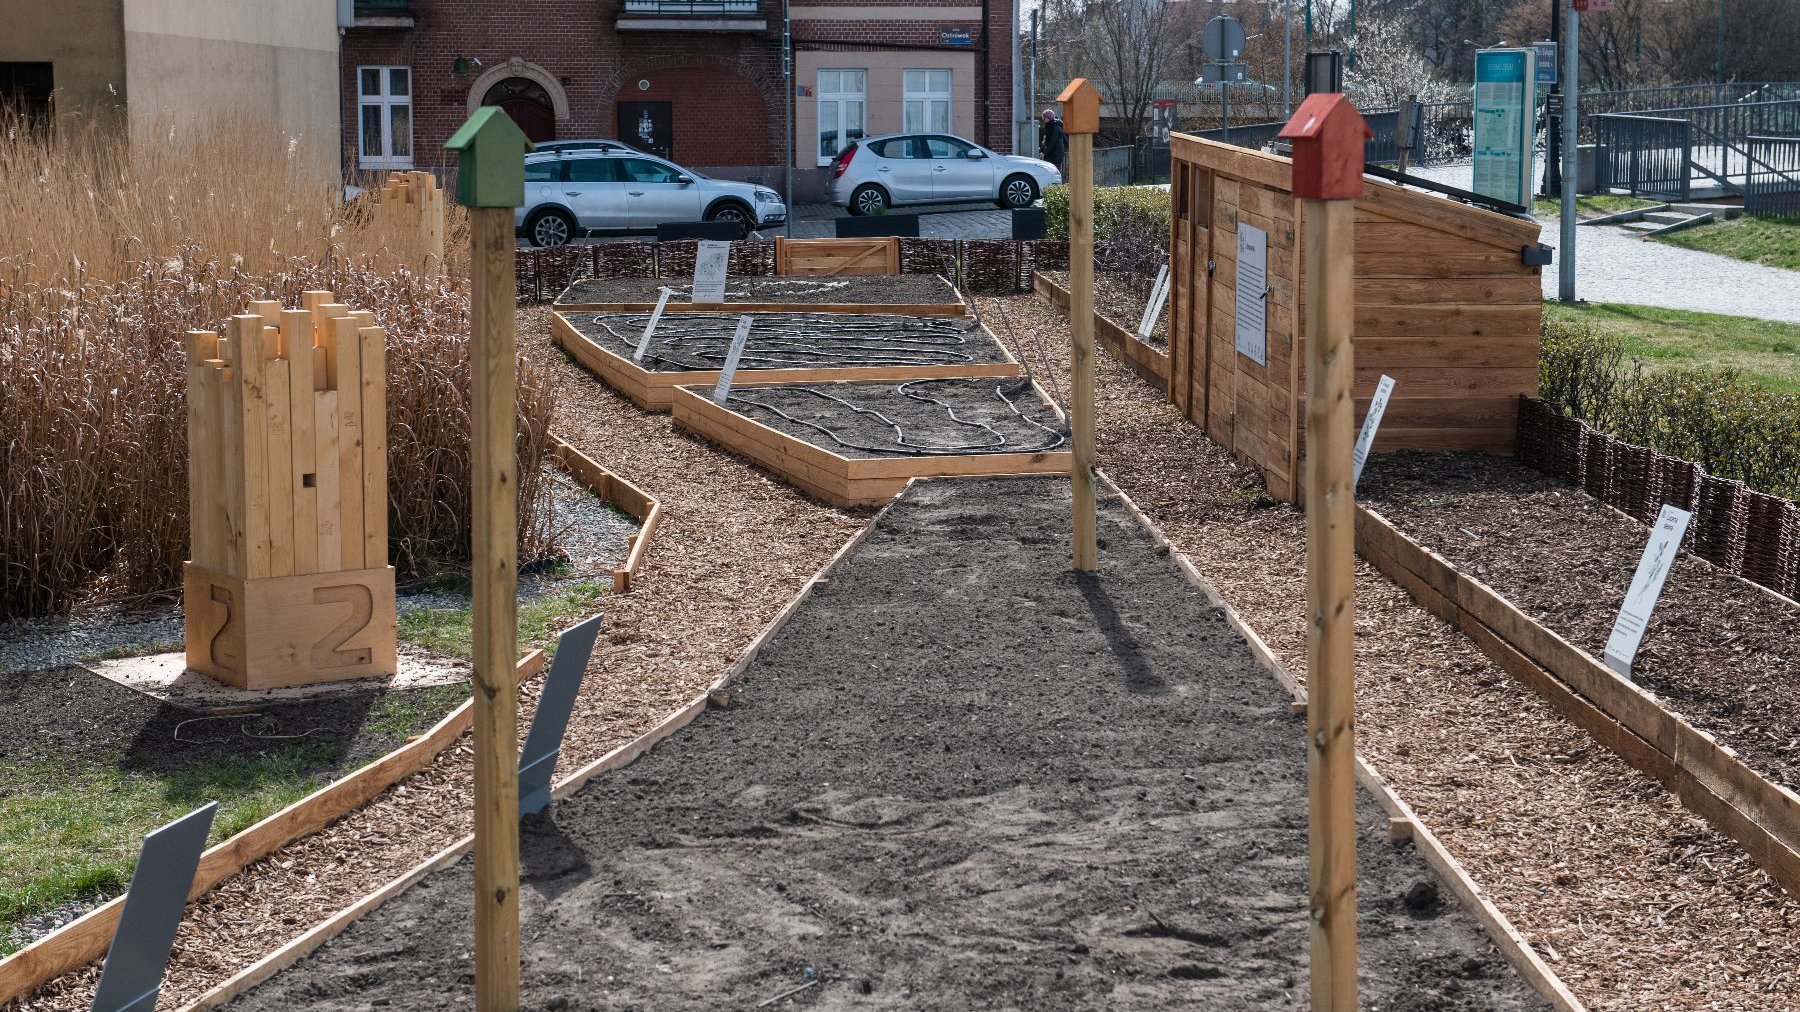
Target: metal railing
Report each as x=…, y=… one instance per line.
x=1445, y=136
x=1772, y=186
x=1647, y=156
x=1112, y=166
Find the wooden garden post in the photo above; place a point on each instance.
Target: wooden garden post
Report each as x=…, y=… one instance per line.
x=491, y=183
x=1328, y=135
x=1081, y=120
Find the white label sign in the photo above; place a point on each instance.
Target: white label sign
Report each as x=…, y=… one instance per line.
x=1159, y=293
x=1646, y=587
x=1252, y=289
x=1371, y=422
x=738, y=340
x=710, y=261
x=650, y=328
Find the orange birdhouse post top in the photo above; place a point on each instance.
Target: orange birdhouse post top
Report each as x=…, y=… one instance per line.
x=1327, y=134
x=1081, y=107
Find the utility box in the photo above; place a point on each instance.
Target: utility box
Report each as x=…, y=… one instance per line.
x=288, y=581
x=1445, y=304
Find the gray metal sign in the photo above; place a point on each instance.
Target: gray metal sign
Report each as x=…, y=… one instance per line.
x=1224, y=73
x=1223, y=38
x=537, y=761
x=132, y=973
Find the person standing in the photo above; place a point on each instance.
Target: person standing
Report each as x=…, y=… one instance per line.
x=1053, y=144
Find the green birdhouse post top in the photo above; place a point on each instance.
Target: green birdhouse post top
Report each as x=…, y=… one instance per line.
x=490, y=159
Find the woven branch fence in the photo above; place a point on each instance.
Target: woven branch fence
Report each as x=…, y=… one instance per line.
x=978, y=266
x=1740, y=530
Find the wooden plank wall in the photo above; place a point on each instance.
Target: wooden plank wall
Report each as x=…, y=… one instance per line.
x=874, y=256
x=1443, y=304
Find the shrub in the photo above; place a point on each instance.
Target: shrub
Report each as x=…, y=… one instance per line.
x=1135, y=216
x=1732, y=428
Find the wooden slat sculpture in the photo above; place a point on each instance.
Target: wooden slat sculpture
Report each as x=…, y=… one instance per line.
x=412, y=204
x=288, y=580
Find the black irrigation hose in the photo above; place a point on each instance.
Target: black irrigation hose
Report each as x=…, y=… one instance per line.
x=796, y=340
x=905, y=446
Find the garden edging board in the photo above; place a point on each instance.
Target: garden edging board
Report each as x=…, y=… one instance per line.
x=620, y=757
x=646, y=510
x=654, y=390
x=1507, y=939
x=1707, y=777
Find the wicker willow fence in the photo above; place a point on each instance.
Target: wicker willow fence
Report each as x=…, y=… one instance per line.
x=979, y=266
x=1750, y=533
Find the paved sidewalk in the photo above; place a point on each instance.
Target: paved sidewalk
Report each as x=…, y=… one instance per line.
x=1614, y=265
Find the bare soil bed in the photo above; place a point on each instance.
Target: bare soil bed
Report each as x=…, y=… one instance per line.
x=962, y=777
x=1720, y=651
x=918, y=418
x=1118, y=298
x=700, y=341
x=895, y=289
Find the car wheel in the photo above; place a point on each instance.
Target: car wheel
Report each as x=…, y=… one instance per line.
x=1017, y=192
x=868, y=199
x=550, y=228
x=734, y=213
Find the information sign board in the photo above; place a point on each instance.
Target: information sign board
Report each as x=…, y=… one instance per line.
x=1505, y=123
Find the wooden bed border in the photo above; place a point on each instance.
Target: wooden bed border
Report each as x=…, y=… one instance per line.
x=958, y=308
x=842, y=481
x=628, y=497
x=653, y=390
x=618, y=758
x=863, y=257
x=87, y=938
x=1152, y=366
x=1403, y=821
x=1709, y=778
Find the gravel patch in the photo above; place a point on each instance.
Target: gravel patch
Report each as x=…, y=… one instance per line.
x=686, y=342
x=922, y=418
x=894, y=289
x=1045, y=791
x=1636, y=903
x=734, y=546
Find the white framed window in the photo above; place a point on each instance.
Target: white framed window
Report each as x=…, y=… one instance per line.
x=927, y=97
x=843, y=97
x=384, y=117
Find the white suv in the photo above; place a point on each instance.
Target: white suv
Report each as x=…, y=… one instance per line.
x=876, y=173
x=571, y=193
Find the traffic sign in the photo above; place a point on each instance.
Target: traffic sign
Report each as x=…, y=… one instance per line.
x=1223, y=38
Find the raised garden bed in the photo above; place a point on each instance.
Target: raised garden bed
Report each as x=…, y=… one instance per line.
x=920, y=294
x=1149, y=361
x=689, y=349
x=1122, y=299
x=856, y=444
x=1128, y=835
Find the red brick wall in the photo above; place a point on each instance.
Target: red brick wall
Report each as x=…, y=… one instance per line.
x=726, y=88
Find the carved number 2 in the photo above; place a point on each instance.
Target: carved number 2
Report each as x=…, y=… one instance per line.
x=217, y=648
x=325, y=653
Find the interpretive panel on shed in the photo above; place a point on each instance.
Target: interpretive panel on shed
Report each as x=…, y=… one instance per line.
x=1252, y=286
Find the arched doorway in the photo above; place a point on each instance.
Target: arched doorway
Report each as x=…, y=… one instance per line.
x=528, y=104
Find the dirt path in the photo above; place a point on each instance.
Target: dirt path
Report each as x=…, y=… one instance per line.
x=1636, y=903
x=734, y=547
x=961, y=777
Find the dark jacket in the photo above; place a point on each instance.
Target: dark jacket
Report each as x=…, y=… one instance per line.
x=1053, y=145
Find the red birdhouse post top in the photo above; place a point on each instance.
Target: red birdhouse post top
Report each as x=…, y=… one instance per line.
x=1327, y=134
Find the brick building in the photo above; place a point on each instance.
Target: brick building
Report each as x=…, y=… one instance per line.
x=699, y=81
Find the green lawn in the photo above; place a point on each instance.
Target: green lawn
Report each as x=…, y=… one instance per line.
x=1765, y=351
x=1758, y=240
x=451, y=630
x=1592, y=206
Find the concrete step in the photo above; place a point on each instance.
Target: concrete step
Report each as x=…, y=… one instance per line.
x=1639, y=226
x=1716, y=210
x=1668, y=217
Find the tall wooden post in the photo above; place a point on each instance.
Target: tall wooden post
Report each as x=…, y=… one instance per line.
x=1081, y=121
x=491, y=183
x=1328, y=135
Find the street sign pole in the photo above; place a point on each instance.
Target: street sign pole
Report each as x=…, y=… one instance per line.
x=1571, y=90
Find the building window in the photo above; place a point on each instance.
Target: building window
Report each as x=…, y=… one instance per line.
x=384, y=117
x=25, y=90
x=927, y=101
x=842, y=99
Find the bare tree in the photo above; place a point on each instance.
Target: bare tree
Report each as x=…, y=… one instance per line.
x=1136, y=48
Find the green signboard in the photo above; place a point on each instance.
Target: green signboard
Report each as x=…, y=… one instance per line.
x=1505, y=123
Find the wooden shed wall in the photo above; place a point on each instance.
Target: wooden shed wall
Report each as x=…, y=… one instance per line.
x=1443, y=304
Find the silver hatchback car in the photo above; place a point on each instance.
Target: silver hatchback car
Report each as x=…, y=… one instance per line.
x=571, y=193
x=876, y=173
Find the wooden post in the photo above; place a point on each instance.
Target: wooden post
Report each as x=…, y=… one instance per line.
x=1081, y=120
x=1328, y=135
x=491, y=183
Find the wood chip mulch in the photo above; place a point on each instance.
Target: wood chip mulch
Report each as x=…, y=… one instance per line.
x=733, y=548
x=1636, y=903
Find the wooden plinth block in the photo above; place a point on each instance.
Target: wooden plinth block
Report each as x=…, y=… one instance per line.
x=290, y=630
